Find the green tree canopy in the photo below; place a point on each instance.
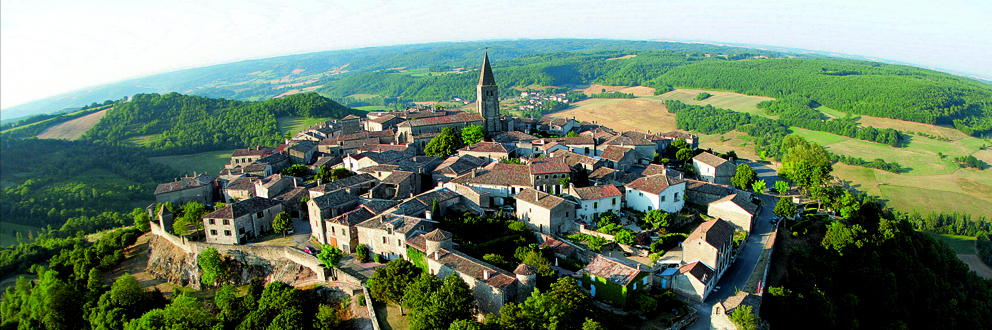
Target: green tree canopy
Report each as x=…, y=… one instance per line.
x=744, y=177
x=472, y=134
x=389, y=283
x=444, y=145
x=330, y=255
x=296, y=170
x=282, y=223
x=785, y=208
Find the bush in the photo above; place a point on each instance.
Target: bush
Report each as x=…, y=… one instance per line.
x=378, y=258
x=361, y=299
x=363, y=252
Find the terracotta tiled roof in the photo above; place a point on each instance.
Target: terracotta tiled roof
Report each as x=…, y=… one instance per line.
x=326, y=160
x=349, y=117
x=255, y=167
x=437, y=235
x=558, y=247
x=355, y=144
x=294, y=195
x=378, y=168
x=241, y=208
x=679, y=134
x=498, y=174
x=350, y=181
x=615, y=153
x=252, y=152
x=699, y=270
x=739, y=200
x=574, y=159
x=241, y=183
x=603, y=173
x=705, y=187
x=383, y=147
x=525, y=269
x=397, y=177
x=184, y=183
x=644, y=136
x=597, y=192
x=353, y=217
x=716, y=233
x=419, y=204
x=654, y=169
x=654, y=184
x=377, y=206
x=383, y=119
x=574, y=140
x=475, y=268
x=628, y=141
x=709, y=159
x=395, y=222
x=548, y=166
x=541, y=199
x=514, y=136
x=273, y=159
x=303, y=146
x=459, y=118
x=485, y=147
x=612, y=270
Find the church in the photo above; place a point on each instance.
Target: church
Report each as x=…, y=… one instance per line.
x=420, y=131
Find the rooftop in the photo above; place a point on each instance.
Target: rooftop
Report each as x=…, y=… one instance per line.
x=654, y=184
x=498, y=174
x=709, y=159
x=596, y=192
x=548, y=165
x=615, y=153
x=539, y=198
x=716, y=233
x=441, y=120
x=242, y=208
x=483, y=146
x=334, y=199
x=184, y=183
x=740, y=200
x=612, y=270
x=699, y=270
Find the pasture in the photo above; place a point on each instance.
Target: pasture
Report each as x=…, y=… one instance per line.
x=209, y=162
x=8, y=233
x=295, y=124
x=73, y=129
x=960, y=244
x=726, y=100
x=976, y=265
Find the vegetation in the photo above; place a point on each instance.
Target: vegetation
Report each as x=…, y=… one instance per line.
x=472, y=134
x=798, y=111
x=613, y=95
x=363, y=253
x=872, y=270
x=744, y=177
x=703, y=96
x=435, y=304
x=282, y=223
x=444, y=145
x=214, y=268
x=877, y=163
x=330, y=255
x=785, y=208
x=389, y=283
x=183, y=124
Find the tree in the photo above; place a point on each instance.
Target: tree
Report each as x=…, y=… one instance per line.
x=363, y=252
x=297, y=170
x=141, y=220
x=330, y=255
x=784, y=208
x=624, y=236
x=452, y=301
x=213, y=266
x=465, y=325
x=282, y=223
x=782, y=186
x=472, y=134
x=417, y=294
x=389, y=283
x=744, y=177
x=684, y=154
x=744, y=318
x=658, y=218
x=339, y=173
x=323, y=174
x=445, y=144
x=591, y=324
x=191, y=219
x=759, y=186
x=679, y=144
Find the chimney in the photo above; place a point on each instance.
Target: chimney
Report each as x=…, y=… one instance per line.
x=485, y=274
x=473, y=172
x=437, y=255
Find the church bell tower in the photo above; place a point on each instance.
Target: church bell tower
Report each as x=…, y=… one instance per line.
x=487, y=97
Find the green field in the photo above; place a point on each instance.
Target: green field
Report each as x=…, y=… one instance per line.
x=142, y=140
x=960, y=244
x=209, y=162
x=719, y=99
x=373, y=108
x=296, y=124
x=8, y=233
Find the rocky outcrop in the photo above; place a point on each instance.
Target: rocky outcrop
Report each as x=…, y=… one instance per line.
x=171, y=263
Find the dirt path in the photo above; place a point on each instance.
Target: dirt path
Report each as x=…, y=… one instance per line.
x=73, y=129
x=976, y=265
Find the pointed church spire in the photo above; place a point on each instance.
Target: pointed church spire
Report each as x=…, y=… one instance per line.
x=486, y=79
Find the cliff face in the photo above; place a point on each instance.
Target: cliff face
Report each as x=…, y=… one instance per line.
x=173, y=264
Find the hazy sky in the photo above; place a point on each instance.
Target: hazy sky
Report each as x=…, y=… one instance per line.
x=50, y=47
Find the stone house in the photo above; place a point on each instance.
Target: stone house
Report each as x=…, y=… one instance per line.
x=619, y=158
x=714, y=169
x=292, y=201
x=274, y=185
x=387, y=234
x=736, y=209
x=613, y=281
x=694, y=280
x=243, y=157
x=493, y=151
x=276, y=162
x=350, y=124
x=238, y=189
x=354, y=162
x=720, y=318
x=408, y=130
x=546, y=174
x=491, y=286
x=301, y=152
x=357, y=185
x=579, y=162
x=323, y=208
x=498, y=180
x=331, y=162
x=596, y=200
x=397, y=185
x=198, y=188
x=405, y=149
x=258, y=170
x=544, y=213
x=702, y=193
x=656, y=192
x=691, y=139
x=557, y=126
x=583, y=145
x=383, y=123
x=453, y=167
x=241, y=221
x=341, y=231
x=350, y=143
x=643, y=149
x=712, y=243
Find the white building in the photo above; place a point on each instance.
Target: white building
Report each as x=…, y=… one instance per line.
x=594, y=201
x=656, y=192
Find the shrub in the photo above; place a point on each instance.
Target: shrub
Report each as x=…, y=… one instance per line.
x=378, y=258
x=363, y=252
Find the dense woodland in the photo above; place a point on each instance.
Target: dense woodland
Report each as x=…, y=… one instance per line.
x=174, y=123
x=873, y=271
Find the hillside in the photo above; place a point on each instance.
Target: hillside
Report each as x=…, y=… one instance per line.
x=73, y=129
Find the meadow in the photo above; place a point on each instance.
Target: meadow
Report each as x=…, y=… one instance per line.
x=295, y=124
x=960, y=244
x=210, y=162
x=8, y=233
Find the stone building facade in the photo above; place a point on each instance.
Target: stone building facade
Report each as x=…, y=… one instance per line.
x=242, y=221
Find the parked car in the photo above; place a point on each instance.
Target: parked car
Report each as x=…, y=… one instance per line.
x=310, y=250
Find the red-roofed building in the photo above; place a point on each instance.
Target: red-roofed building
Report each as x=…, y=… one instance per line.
x=611, y=280
x=407, y=130
x=712, y=243
x=494, y=151
x=596, y=200
x=694, y=280
x=656, y=192
x=546, y=174
x=545, y=213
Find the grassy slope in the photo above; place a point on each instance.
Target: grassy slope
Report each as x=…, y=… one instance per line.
x=931, y=184
x=205, y=162
x=960, y=244
x=296, y=124
x=8, y=230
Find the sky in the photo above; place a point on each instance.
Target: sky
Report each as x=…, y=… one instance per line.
x=50, y=47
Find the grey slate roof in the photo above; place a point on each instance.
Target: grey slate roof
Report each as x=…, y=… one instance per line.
x=334, y=199
x=241, y=208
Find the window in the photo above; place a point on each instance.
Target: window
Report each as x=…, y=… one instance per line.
x=241, y=230
x=227, y=222
x=662, y=198
x=213, y=232
x=398, y=242
x=676, y=197
x=614, y=201
x=227, y=233
x=384, y=240
x=258, y=215
x=211, y=221
x=595, y=205
x=566, y=214
x=645, y=280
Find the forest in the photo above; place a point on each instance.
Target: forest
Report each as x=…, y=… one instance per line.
x=872, y=270
x=179, y=124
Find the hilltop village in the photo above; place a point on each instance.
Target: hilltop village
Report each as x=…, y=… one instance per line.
x=607, y=205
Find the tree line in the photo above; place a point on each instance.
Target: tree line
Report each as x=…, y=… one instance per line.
x=798, y=111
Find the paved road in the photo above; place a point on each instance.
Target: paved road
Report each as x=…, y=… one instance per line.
x=738, y=273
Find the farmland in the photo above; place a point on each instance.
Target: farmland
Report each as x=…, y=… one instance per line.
x=73, y=129
x=205, y=162
x=296, y=124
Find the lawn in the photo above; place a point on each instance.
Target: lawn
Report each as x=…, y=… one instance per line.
x=209, y=162
x=8, y=233
x=296, y=124
x=390, y=318
x=960, y=244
